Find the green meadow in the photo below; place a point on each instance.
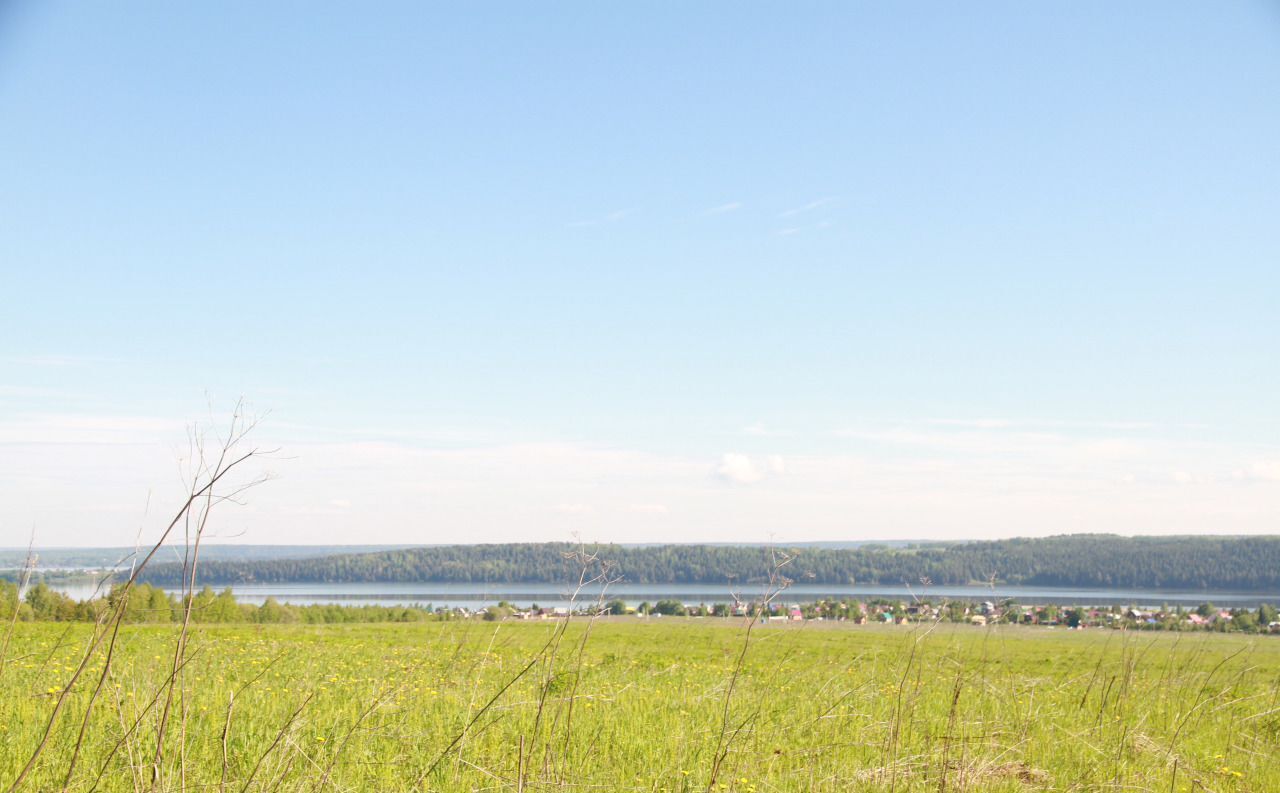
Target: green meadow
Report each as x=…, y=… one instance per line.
x=657, y=705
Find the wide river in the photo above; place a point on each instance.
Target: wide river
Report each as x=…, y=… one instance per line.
x=474, y=596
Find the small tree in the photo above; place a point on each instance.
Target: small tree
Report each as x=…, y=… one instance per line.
x=1244, y=620
x=1267, y=614
x=669, y=608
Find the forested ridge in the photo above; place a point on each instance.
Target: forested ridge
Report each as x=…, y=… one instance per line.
x=1085, y=560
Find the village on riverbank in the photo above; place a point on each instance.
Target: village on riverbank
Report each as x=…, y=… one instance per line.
x=1206, y=616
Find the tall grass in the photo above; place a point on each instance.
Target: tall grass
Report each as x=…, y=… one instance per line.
x=814, y=708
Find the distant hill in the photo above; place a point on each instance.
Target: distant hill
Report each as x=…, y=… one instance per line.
x=82, y=558
x=1247, y=564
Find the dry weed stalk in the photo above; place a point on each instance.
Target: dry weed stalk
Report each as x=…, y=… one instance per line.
x=202, y=494
x=776, y=584
x=24, y=579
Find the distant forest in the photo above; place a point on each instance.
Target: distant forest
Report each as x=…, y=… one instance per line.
x=16, y=558
x=1250, y=564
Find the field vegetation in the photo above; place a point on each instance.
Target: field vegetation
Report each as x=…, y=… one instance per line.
x=669, y=705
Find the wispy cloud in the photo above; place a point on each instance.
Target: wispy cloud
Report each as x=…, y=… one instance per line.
x=613, y=217
x=1261, y=471
x=648, y=509
x=732, y=206
x=1010, y=423
x=34, y=393
x=59, y=360
x=809, y=207
x=89, y=476
x=793, y=230
x=972, y=441
x=1065, y=453
x=760, y=430
x=980, y=424
x=71, y=428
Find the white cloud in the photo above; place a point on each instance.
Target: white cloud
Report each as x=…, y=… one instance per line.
x=746, y=470
x=738, y=468
x=1261, y=471
x=84, y=479
x=732, y=206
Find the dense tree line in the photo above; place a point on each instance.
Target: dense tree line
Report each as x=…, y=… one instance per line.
x=1089, y=560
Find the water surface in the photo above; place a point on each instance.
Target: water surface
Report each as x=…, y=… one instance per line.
x=473, y=596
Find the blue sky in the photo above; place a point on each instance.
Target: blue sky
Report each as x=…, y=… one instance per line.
x=828, y=271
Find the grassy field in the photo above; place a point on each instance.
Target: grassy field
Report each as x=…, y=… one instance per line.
x=647, y=706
